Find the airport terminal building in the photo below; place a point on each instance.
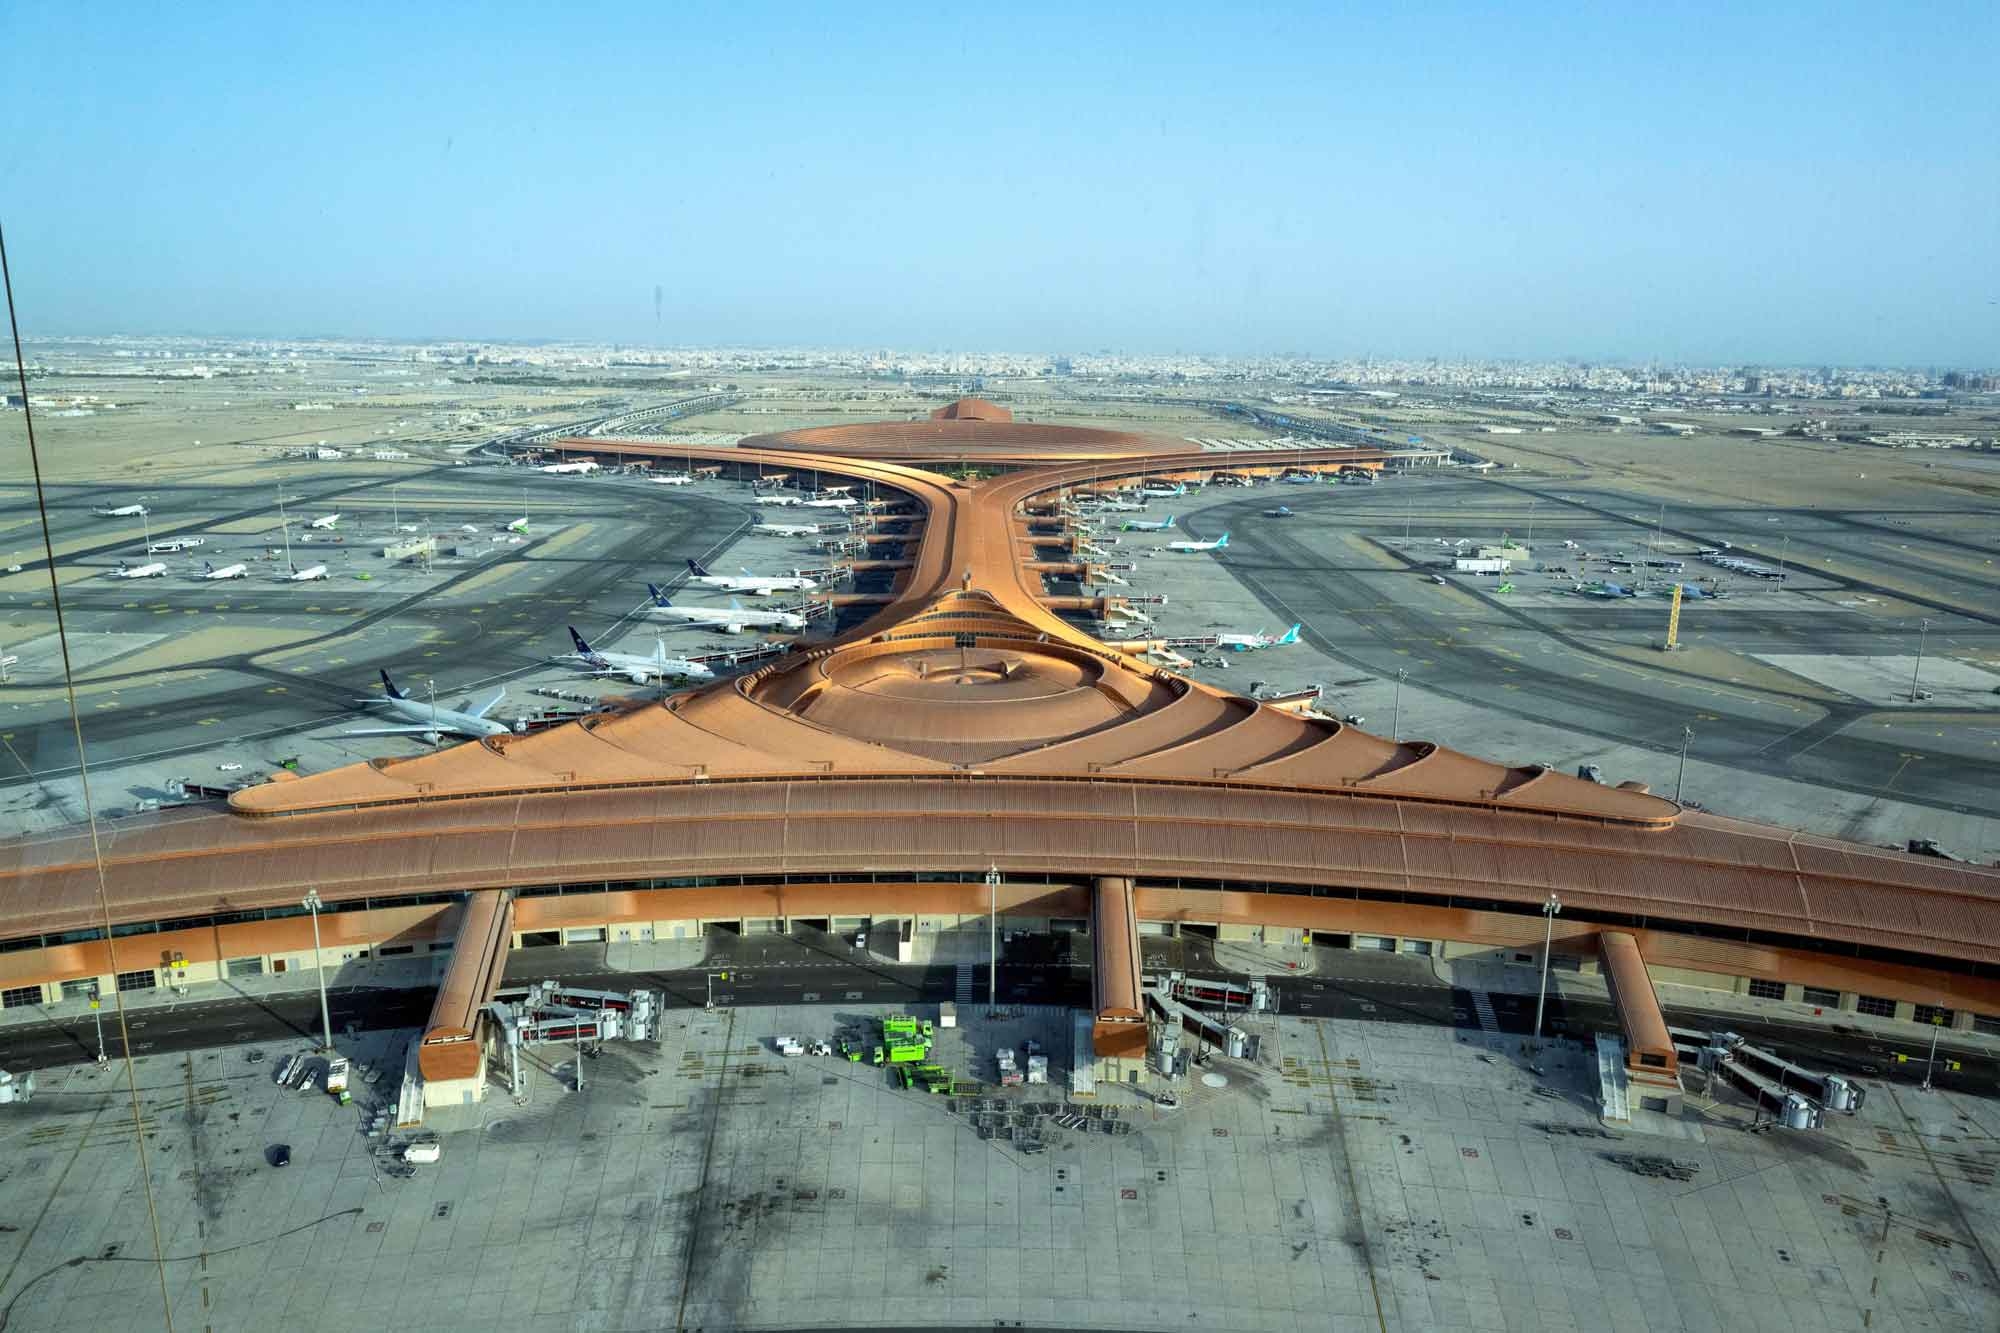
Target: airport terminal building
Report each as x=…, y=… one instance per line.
x=966, y=730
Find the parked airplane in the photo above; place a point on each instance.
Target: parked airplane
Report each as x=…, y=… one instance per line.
x=581, y=468
x=209, y=571
x=636, y=667
x=174, y=544
x=1117, y=506
x=833, y=502
x=149, y=571
x=428, y=720
x=732, y=620
x=761, y=585
x=1190, y=548
x=788, y=529
x=1163, y=492
x=1250, y=643
x=782, y=501
x=1604, y=590
x=310, y=574
x=673, y=479
x=519, y=525
x=122, y=511
x=1146, y=525
x=325, y=523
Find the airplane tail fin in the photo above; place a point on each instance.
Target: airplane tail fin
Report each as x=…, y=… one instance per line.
x=1291, y=635
x=207, y=568
x=659, y=598
x=1170, y=521
x=694, y=568
x=389, y=687
x=582, y=648
x=1222, y=541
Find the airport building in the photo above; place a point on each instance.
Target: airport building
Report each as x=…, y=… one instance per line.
x=964, y=746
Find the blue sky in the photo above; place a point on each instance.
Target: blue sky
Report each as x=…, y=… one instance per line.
x=1706, y=183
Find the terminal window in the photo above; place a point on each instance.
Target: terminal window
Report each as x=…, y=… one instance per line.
x=1766, y=990
x=246, y=967
x=1987, y=1023
x=79, y=989
x=1931, y=1013
x=1872, y=1004
x=145, y=980
x=16, y=997
x=1825, y=999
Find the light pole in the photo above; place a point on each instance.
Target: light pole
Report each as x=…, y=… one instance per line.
x=1937, y=1026
x=1531, y=523
x=313, y=904
x=97, y=1012
x=1923, y=628
x=1396, y=713
x=1784, y=549
x=1549, y=910
x=1687, y=734
x=992, y=938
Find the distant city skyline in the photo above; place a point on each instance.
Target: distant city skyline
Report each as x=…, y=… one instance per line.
x=1706, y=185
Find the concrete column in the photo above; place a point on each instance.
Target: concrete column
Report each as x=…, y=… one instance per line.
x=1847, y=1001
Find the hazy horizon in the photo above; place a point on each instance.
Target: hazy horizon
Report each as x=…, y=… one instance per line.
x=1788, y=186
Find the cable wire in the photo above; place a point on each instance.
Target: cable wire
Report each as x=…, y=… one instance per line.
x=89, y=806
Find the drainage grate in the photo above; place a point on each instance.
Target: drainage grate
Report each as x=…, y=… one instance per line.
x=375, y=1228
x=443, y=1211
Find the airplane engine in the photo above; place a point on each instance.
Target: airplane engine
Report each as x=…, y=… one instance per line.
x=636, y=677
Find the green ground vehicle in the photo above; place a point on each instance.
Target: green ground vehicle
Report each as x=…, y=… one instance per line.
x=899, y=1027
x=935, y=1079
x=850, y=1049
x=907, y=1053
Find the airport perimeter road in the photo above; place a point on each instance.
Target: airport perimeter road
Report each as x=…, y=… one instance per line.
x=249, y=662
x=1548, y=664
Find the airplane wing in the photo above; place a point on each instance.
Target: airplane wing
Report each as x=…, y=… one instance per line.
x=487, y=707
x=397, y=731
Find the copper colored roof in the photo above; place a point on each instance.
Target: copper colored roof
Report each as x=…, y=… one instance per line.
x=972, y=409
x=966, y=724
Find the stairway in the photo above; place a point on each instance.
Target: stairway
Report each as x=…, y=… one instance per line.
x=1482, y=1005
x=964, y=991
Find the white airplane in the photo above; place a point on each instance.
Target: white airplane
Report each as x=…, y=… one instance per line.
x=1250, y=643
x=788, y=529
x=519, y=525
x=150, y=571
x=468, y=527
x=325, y=522
x=734, y=620
x=636, y=667
x=760, y=585
x=1571, y=546
x=1122, y=506
x=1163, y=492
x=782, y=501
x=833, y=502
x=428, y=720
x=122, y=511
x=209, y=571
x=1145, y=525
x=578, y=469
x=673, y=479
x=310, y=574
x=1191, y=548
x=174, y=544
